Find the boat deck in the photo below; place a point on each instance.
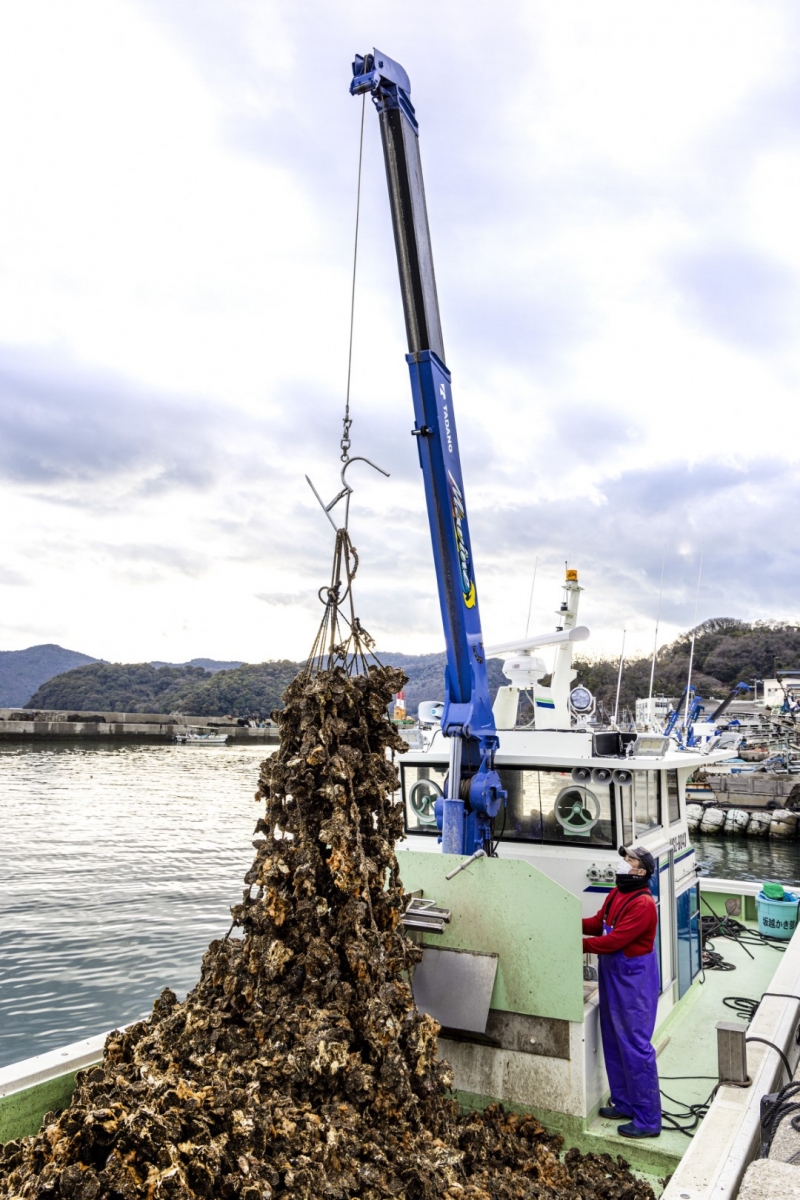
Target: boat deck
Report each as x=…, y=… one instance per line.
x=686, y=1045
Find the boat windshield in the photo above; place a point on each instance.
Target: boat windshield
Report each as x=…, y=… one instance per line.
x=544, y=806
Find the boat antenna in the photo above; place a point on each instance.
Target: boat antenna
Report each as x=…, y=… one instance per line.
x=658, y=618
x=694, y=636
x=619, y=679
x=530, y=602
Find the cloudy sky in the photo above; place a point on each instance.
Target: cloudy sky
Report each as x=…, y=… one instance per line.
x=613, y=190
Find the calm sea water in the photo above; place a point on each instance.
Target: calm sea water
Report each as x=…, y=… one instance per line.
x=119, y=865
x=755, y=859
x=117, y=868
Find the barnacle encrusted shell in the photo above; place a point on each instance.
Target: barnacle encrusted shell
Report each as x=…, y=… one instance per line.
x=299, y=1067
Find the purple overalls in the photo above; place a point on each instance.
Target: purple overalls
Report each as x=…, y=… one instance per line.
x=629, y=989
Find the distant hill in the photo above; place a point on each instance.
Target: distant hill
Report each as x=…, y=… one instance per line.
x=208, y=664
x=23, y=671
x=426, y=676
x=247, y=690
x=141, y=687
x=726, y=651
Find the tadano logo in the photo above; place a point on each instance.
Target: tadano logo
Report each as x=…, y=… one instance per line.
x=446, y=418
x=447, y=432
x=459, y=521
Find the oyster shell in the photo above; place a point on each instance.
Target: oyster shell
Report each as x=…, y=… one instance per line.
x=299, y=1066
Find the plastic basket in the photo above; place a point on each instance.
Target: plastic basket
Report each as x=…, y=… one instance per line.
x=777, y=918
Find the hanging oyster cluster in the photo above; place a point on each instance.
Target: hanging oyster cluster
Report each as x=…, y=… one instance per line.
x=299, y=1068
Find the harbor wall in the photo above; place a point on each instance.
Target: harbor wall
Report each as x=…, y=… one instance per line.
x=732, y=821
x=19, y=724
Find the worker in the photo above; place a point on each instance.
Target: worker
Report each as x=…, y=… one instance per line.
x=622, y=935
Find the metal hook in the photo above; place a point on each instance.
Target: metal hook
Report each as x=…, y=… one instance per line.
x=346, y=491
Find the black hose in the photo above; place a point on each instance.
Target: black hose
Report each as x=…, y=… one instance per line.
x=727, y=927
x=687, y=1121
x=777, y=1050
x=743, y=1006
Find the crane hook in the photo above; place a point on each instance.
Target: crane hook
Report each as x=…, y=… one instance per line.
x=346, y=491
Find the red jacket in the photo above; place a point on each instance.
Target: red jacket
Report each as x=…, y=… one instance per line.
x=633, y=932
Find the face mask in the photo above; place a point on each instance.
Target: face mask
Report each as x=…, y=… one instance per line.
x=631, y=883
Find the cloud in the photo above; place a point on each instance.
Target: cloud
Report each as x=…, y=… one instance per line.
x=60, y=421
x=591, y=434
x=734, y=516
x=177, y=559
x=9, y=578
x=284, y=599
x=738, y=293
x=175, y=302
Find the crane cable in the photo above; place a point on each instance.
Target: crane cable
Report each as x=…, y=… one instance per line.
x=342, y=640
x=347, y=420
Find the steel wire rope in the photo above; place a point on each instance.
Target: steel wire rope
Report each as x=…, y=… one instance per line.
x=352, y=646
x=347, y=420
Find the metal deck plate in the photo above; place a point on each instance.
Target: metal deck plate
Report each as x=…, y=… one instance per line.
x=455, y=987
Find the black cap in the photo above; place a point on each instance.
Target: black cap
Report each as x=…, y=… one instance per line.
x=644, y=857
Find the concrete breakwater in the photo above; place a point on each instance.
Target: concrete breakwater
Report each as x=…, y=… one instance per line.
x=19, y=724
x=738, y=822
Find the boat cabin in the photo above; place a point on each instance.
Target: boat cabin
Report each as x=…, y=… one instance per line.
x=503, y=970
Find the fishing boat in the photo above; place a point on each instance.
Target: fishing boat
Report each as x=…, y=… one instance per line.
x=503, y=970
x=191, y=737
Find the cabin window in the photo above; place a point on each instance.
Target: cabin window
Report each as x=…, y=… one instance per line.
x=422, y=786
x=546, y=806
x=625, y=796
x=673, y=799
x=542, y=806
x=646, y=801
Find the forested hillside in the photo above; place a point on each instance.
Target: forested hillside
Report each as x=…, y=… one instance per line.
x=249, y=690
x=141, y=687
x=726, y=651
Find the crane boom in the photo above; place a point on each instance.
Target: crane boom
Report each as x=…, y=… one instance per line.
x=474, y=792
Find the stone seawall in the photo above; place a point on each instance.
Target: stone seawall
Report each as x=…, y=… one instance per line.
x=22, y=725
x=738, y=822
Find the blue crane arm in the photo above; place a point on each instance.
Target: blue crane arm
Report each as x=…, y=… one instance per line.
x=474, y=792
x=671, y=721
x=735, y=691
x=691, y=712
